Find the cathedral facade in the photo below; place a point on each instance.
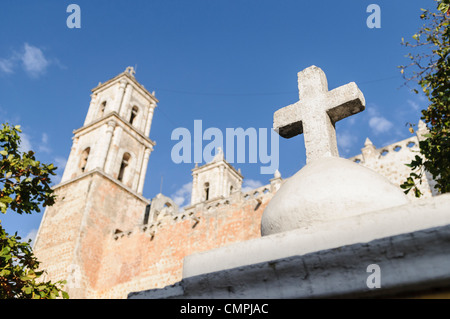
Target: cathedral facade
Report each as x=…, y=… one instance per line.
x=106, y=239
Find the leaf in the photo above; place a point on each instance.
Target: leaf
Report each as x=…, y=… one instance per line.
x=27, y=290
x=6, y=250
x=443, y=7
x=25, y=278
x=417, y=192
x=3, y=207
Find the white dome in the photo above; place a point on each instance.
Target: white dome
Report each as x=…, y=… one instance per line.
x=327, y=189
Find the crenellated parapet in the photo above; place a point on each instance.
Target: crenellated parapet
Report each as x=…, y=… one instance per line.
x=390, y=161
x=163, y=211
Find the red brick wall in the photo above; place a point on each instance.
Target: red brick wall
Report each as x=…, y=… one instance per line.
x=76, y=230
x=80, y=229
x=138, y=262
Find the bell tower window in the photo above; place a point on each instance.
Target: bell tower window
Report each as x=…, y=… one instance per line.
x=134, y=112
x=84, y=159
x=102, y=108
x=206, y=191
x=123, y=166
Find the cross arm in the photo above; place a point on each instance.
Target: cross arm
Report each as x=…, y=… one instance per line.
x=287, y=121
x=347, y=100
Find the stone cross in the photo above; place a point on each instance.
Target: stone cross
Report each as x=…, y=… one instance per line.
x=130, y=70
x=317, y=112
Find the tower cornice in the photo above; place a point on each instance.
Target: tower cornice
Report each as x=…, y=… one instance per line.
x=119, y=121
x=129, y=77
x=211, y=165
x=105, y=175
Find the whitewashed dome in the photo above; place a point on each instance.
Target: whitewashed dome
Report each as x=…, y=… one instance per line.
x=326, y=189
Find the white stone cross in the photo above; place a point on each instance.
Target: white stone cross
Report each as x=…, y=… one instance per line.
x=317, y=112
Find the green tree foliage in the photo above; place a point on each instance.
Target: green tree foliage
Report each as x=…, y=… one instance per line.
x=19, y=274
x=431, y=70
x=25, y=185
x=25, y=182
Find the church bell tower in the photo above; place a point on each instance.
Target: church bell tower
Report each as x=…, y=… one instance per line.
x=101, y=188
x=114, y=138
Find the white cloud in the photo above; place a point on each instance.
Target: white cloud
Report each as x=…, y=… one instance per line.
x=34, y=61
x=345, y=140
x=413, y=104
x=25, y=143
x=183, y=195
x=44, y=138
x=379, y=124
x=351, y=120
x=371, y=110
x=6, y=65
x=31, y=235
x=60, y=162
x=56, y=179
x=422, y=98
x=250, y=184
x=43, y=146
x=418, y=101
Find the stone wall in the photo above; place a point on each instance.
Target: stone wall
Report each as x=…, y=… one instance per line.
x=151, y=256
x=74, y=233
x=57, y=237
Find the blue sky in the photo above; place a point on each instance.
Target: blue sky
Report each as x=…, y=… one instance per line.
x=229, y=63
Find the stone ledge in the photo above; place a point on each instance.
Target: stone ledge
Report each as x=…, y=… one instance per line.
x=412, y=262
x=107, y=117
x=422, y=214
x=410, y=243
x=110, y=178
